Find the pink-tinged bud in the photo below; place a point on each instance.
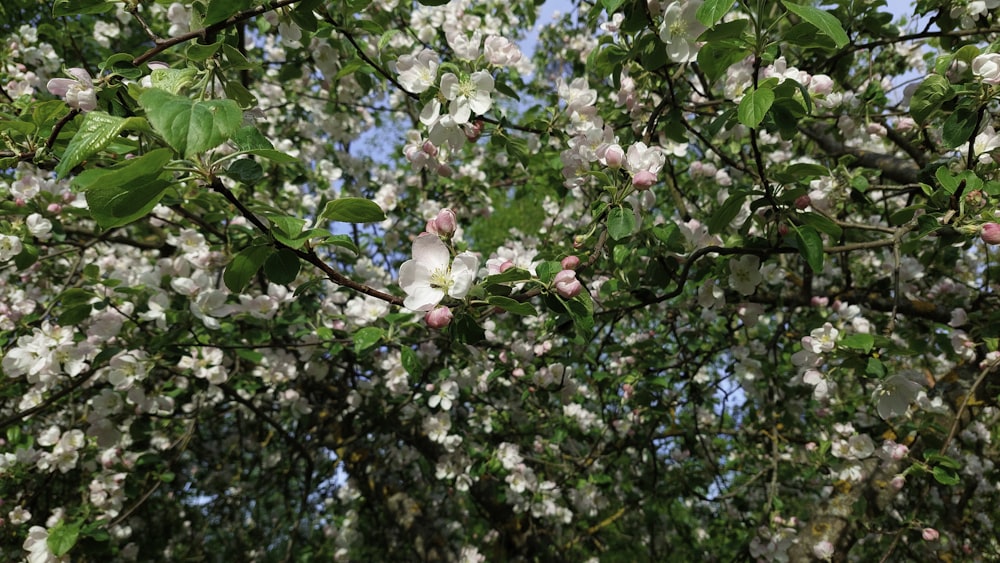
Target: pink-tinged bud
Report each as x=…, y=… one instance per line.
x=445, y=171
x=506, y=266
x=567, y=285
x=643, y=179
x=54, y=208
x=802, y=202
x=430, y=149
x=20, y=202
x=447, y=222
x=474, y=130
x=990, y=233
x=570, y=263
x=897, y=482
x=614, y=155
x=818, y=301
x=431, y=227
x=783, y=229
x=930, y=534
x=438, y=318
x=975, y=199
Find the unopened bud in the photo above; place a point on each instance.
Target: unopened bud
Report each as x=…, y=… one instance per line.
x=438, y=318
x=990, y=233
x=643, y=179
x=570, y=263
x=614, y=156
x=567, y=285
x=446, y=222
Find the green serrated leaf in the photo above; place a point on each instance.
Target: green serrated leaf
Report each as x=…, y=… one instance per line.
x=282, y=267
x=244, y=266
x=172, y=80
x=822, y=20
x=276, y=156
x=754, y=106
x=858, y=341
x=512, y=305
x=120, y=195
x=928, y=97
x=189, y=126
x=245, y=170
x=821, y=223
x=249, y=140
x=945, y=476
x=810, y=247
x=96, y=131
x=712, y=11
x=511, y=275
x=353, y=210
x=410, y=361
x=621, y=222
x=959, y=127
x=721, y=218
x=62, y=537
x=367, y=337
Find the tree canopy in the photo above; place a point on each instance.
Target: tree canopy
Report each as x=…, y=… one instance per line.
x=340, y=280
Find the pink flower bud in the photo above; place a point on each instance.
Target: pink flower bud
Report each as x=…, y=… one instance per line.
x=570, y=263
x=438, y=318
x=567, y=285
x=447, y=222
x=506, y=266
x=614, y=155
x=802, y=202
x=930, y=534
x=430, y=149
x=643, y=179
x=474, y=130
x=54, y=208
x=990, y=233
x=445, y=171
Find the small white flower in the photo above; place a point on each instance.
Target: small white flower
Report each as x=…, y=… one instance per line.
x=431, y=274
x=987, y=67
x=680, y=29
x=467, y=95
x=744, y=274
x=894, y=396
x=10, y=246
x=77, y=91
x=418, y=72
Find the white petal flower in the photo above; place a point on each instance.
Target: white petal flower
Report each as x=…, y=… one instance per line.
x=680, y=29
x=744, y=274
x=431, y=274
x=417, y=72
x=895, y=395
x=467, y=95
x=78, y=91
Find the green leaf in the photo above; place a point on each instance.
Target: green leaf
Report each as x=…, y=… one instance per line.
x=191, y=127
x=716, y=58
x=821, y=223
x=75, y=314
x=928, y=97
x=754, y=106
x=621, y=222
x=367, y=337
x=581, y=310
x=945, y=476
x=282, y=267
x=62, y=537
x=245, y=170
x=353, y=210
x=75, y=7
x=27, y=257
x=433, y=2
x=726, y=213
x=712, y=11
x=249, y=140
x=942, y=460
x=821, y=19
x=172, y=80
x=96, y=131
x=511, y=275
x=858, y=341
x=119, y=196
x=810, y=247
x=276, y=156
x=244, y=266
x=512, y=305
x=220, y=10
x=410, y=361
x=959, y=127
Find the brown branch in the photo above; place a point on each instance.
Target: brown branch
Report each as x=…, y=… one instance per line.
x=892, y=167
x=310, y=256
x=209, y=30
